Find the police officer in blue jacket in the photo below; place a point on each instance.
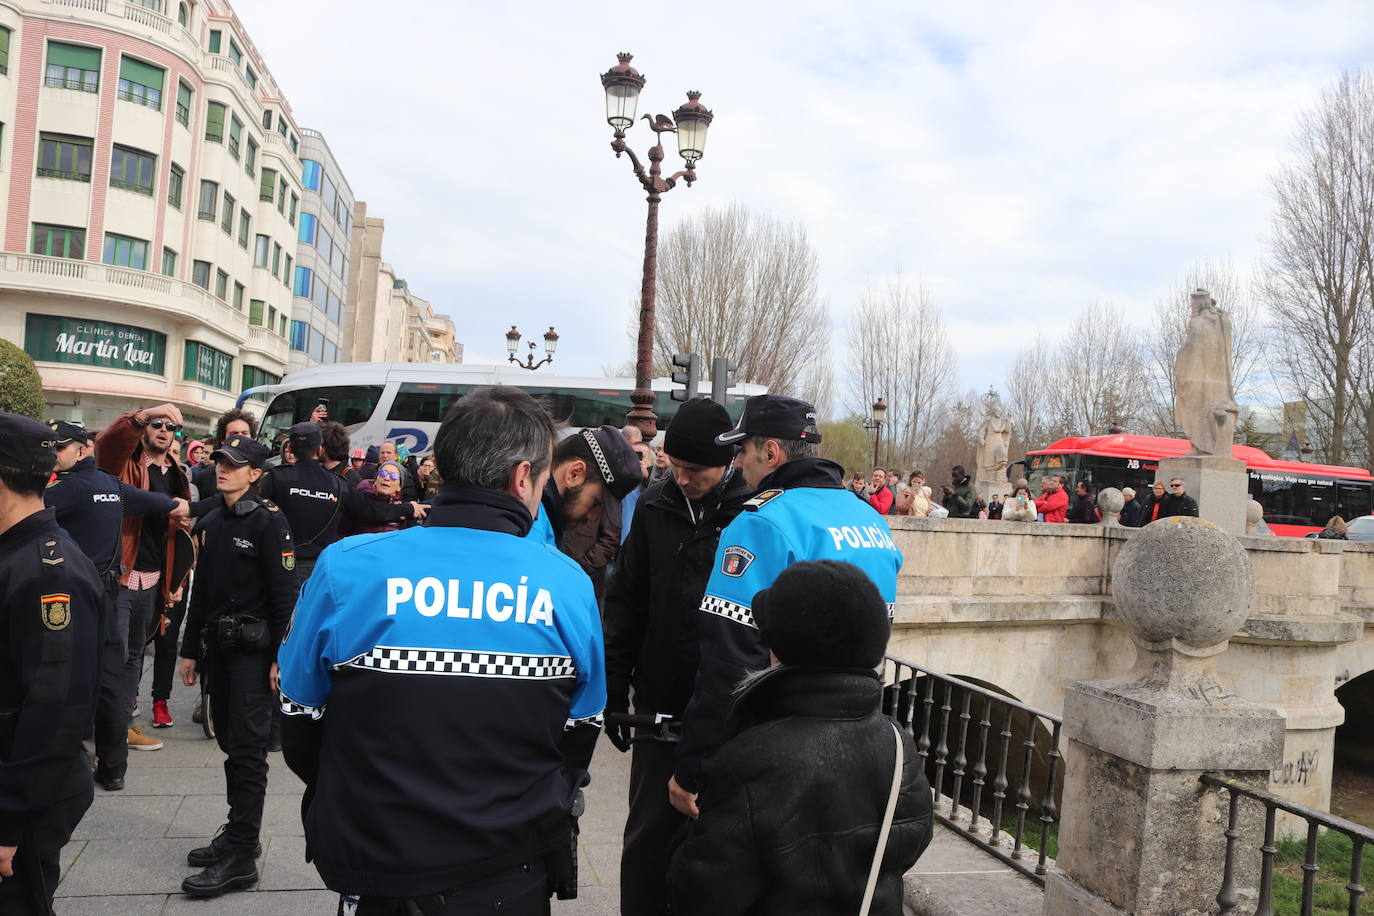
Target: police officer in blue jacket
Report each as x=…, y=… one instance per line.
x=801, y=511
x=443, y=687
x=90, y=505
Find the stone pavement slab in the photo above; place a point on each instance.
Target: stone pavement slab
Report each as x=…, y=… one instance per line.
x=955, y=878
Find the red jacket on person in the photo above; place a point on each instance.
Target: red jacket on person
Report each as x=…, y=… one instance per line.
x=1054, y=505
x=119, y=451
x=882, y=500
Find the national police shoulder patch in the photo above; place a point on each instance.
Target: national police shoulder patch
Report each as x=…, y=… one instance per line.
x=288, y=560
x=737, y=560
x=56, y=611
x=762, y=499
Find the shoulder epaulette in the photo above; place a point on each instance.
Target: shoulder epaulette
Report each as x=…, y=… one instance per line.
x=762, y=499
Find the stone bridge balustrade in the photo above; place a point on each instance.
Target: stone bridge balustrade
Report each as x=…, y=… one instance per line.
x=1028, y=608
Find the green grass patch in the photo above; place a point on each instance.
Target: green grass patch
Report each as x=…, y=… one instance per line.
x=1329, y=897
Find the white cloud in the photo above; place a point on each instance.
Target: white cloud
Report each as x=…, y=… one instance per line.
x=1024, y=159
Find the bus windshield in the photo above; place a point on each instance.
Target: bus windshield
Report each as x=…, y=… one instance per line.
x=351, y=405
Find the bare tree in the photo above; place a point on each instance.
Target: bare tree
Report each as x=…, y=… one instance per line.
x=1164, y=338
x=1100, y=374
x=899, y=351
x=1318, y=283
x=1030, y=387
x=742, y=286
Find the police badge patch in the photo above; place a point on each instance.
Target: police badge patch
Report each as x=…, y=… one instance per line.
x=737, y=560
x=56, y=611
x=288, y=560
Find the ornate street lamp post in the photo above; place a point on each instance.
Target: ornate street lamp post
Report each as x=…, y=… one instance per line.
x=513, y=343
x=623, y=84
x=876, y=424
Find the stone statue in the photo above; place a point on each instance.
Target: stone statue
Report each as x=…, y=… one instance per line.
x=1110, y=502
x=1204, y=402
x=994, y=440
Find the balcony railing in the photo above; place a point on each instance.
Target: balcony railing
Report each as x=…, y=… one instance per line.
x=63, y=174
x=94, y=5
x=1228, y=898
x=139, y=99
x=72, y=82
x=938, y=710
x=150, y=18
x=131, y=186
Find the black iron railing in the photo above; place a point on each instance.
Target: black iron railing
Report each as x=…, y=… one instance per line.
x=1228, y=898
x=940, y=712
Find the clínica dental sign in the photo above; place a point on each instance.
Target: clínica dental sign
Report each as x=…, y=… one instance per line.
x=54, y=339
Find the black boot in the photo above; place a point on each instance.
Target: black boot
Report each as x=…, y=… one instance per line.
x=205, y=856
x=235, y=869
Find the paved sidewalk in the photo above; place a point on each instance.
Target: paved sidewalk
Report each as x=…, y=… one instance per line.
x=128, y=856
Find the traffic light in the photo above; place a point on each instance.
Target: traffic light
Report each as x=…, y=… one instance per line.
x=690, y=378
x=722, y=380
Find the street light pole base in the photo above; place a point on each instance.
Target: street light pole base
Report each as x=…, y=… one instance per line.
x=642, y=416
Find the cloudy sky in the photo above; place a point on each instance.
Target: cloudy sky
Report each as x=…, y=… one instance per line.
x=1023, y=159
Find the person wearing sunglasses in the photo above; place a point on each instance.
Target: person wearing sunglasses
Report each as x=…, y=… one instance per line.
x=134, y=448
x=1178, y=502
x=385, y=489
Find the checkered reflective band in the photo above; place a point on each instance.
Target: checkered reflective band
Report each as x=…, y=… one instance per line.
x=402, y=660
x=290, y=707
x=729, y=610
x=600, y=457
x=891, y=610
x=596, y=720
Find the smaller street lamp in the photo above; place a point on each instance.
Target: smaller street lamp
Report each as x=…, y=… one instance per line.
x=875, y=423
x=513, y=343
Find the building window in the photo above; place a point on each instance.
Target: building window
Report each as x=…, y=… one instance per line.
x=245, y=221
x=200, y=274
x=234, y=53
x=295, y=144
x=281, y=196
x=251, y=77
x=291, y=214
x=267, y=119
x=238, y=296
x=72, y=67
x=286, y=274
x=320, y=299
x=307, y=229
x=140, y=83
x=235, y=132
x=227, y=223
x=208, y=366
x=281, y=126
x=214, y=41
x=255, y=308
x=60, y=156
x=345, y=220
x=276, y=259
x=169, y=262
x=214, y=122
x=325, y=245
x=183, y=15
x=132, y=170
x=310, y=174
x=176, y=178
x=253, y=377
x=209, y=199
x=300, y=335
x=59, y=241
x=261, y=250
x=329, y=195
x=183, y=104
x=316, y=344
x=250, y=157
x=304, y=278
x=271, y=316
x=281, y=324
x=154, y=5
x=221, y=284
x=4, y=50
x=123, y=251
x=268, y=185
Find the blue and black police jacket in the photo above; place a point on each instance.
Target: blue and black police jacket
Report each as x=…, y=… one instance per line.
x=801, y=513
x=450, y=670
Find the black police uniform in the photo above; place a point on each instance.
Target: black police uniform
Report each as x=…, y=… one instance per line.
x=50, y=597
x=314, y=500
x=240, y=608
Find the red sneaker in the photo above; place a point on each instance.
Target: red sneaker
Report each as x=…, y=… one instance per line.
x=162, y=717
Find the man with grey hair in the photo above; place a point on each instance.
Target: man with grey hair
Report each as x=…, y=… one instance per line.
x=484, y=722
x=1130, y=511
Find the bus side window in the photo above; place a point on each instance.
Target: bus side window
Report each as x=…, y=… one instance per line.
x=1354, y=500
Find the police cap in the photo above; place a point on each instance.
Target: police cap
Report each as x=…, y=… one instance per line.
x=614, y=459
x=305, y=437
x=65, y=433
x=774, y=416
x=25, y=444
x=241, y=450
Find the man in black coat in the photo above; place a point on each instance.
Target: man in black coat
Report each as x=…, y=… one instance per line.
x=1130, y=510
x=1178, y=502
x=793, y=807
x=650, y=627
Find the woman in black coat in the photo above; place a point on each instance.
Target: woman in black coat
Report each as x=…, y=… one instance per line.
x=792, y=807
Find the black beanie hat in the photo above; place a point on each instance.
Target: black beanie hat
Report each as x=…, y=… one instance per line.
x=824, y=614
x=691, y=436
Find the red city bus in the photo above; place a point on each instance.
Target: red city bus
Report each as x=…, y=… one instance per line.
x=1297, y=497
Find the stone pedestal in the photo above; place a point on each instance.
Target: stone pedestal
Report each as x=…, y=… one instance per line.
x=1219, y=485
x=1140, y=834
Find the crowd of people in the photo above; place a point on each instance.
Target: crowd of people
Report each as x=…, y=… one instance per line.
x=435, y=642
x=891, y=492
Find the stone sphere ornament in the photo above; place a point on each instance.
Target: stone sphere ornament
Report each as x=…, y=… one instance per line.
x=1111, y=501
x=1183, y=583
